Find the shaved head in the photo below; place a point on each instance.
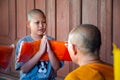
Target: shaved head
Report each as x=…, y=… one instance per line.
x=34, y=12
x=86, y=36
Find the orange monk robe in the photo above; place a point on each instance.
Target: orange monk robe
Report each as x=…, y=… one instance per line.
x=92, y=71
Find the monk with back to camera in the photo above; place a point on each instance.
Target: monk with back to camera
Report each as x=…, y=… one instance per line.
x=83, y=45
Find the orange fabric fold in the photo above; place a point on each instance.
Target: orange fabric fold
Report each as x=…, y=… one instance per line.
x=92, y=71
x=29, y=49
x=5, y=55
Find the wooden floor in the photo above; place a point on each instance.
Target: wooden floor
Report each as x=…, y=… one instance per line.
x=7, y=77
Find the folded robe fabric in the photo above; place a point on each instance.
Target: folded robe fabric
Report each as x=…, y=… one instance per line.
x=29, y=49
x=5, y=56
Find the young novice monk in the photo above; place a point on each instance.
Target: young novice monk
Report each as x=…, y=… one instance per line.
x=83, y=45
x=35, y=69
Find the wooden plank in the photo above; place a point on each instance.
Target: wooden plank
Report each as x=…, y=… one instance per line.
x=109, y=25
x=50, y=15
x=40, y=4
x=116, y=22
x=30, y=5
x=89, y=11
x=4, y=22
x=105, y=25
x=12, y=20
x=21, y=18
x=75, y=13
x=62, y=19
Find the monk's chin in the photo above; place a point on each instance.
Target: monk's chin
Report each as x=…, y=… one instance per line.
x=40, y=33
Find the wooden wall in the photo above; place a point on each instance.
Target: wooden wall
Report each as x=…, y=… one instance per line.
x=62, y=16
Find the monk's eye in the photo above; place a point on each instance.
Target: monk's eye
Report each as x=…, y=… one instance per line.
x=37, y=22
x=43, y=21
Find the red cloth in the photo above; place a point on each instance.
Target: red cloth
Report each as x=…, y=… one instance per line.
x=29, y=49
x=5, y=55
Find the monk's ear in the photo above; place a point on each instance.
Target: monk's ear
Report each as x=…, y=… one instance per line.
x=74, y=49
x=28, y=24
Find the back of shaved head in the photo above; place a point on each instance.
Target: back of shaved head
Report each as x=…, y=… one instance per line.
x=86, y=36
